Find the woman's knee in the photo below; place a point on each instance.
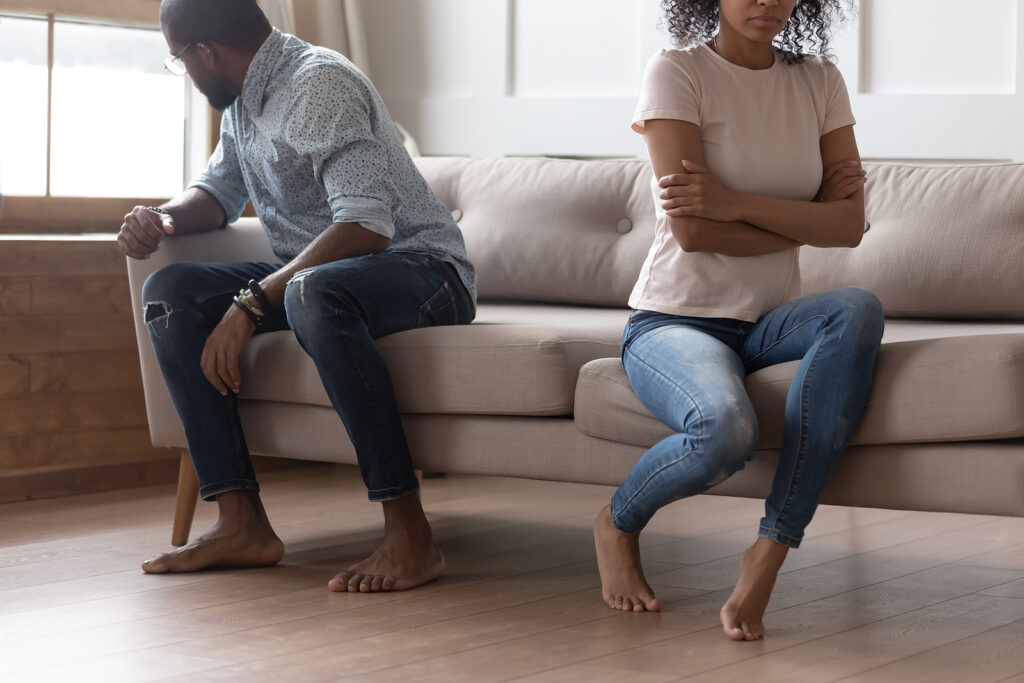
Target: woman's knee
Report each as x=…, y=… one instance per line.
x=728, y=436
x=862, y=311
x=733, y=433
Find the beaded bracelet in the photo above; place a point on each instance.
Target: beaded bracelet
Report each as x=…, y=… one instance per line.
x=244, y=296
x=260, y=295
x=249, y=311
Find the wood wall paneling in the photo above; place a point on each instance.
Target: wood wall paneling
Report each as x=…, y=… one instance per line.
x=72, y=413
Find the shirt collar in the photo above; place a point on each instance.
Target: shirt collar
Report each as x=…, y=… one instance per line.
x=260, y=70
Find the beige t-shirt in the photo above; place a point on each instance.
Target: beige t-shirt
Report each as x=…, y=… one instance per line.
x=760, y=131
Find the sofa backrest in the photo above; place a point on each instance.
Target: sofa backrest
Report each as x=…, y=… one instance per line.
x=946, y=241
x=550, y=230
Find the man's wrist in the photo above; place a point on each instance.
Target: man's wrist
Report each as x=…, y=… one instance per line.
x=238, y=308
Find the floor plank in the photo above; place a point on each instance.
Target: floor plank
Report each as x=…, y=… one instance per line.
x=997, y=654
x=872, y=595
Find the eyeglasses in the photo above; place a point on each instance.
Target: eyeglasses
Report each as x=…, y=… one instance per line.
x=174, y=63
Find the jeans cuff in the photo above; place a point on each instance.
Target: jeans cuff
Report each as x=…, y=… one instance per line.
x=773, y=534
x=211, y=491
x=393, y=492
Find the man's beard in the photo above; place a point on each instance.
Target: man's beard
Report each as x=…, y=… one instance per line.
x=218, y=95
x=220, y=99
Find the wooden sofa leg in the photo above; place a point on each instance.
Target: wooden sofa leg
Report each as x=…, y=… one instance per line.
x=188, y=496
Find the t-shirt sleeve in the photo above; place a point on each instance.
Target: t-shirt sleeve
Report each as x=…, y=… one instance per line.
x=223, y=175
x=668, y=91
x=330, y=123
x=837, y=101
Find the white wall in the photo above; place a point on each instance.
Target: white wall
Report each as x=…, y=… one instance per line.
x=928, y=78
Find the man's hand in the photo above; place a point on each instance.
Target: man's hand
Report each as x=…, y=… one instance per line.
x=700, y=193
x=220, y=355
x=840, y=180
x=142, y=231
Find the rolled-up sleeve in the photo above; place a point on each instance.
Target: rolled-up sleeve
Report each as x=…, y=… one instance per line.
x=329, y=123
x=223, y=175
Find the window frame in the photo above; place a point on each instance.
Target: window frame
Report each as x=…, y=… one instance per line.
x=48, y=214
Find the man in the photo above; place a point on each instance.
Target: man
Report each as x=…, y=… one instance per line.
x=366, y=250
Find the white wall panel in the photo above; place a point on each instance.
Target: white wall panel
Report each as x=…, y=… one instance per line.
x=421, y=48
x=933, y=47
x=505, y=77
x=575, y=48
x=910, y=102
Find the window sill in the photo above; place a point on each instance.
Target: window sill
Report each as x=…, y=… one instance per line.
x=67, y=215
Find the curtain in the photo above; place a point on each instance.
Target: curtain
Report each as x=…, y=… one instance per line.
x=334, y=24
x=281, y=13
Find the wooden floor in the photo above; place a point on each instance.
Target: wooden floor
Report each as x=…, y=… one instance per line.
x=873, y=595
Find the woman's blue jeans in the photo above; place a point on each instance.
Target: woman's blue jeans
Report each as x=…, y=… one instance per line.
x=689, y=373
x=336, y=311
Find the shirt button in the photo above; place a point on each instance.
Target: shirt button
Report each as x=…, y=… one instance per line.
x=277, y=235
x=624, y=226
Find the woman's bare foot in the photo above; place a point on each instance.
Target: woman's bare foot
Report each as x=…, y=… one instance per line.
x=743, y=612
x=242, y=537
x=623, y=585
x=407, y=558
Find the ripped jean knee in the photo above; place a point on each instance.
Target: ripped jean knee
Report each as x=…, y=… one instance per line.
x=157, y=315
x=156, y=305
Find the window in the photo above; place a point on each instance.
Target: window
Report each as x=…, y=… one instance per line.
x=23, y=78
x=100, y=117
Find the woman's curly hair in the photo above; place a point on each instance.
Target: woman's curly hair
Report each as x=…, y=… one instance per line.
x=808, y=31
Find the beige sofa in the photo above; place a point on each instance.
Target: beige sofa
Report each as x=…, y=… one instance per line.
x=534, y=387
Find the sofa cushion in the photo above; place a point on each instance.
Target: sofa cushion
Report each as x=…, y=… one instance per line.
x=946, y=241
x=926, y=389
x=515, y=359
x=550, y=230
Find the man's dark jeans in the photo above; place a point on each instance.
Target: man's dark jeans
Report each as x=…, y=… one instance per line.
x=336, y=311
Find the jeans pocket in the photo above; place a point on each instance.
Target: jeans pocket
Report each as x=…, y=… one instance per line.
x=439, y=309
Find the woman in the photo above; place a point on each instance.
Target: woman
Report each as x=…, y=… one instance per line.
x=753, y=152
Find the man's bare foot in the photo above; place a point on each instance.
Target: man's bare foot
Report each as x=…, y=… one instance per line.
x=623, y=585
x=242, y=537
x=743, y=612
x=407, y=558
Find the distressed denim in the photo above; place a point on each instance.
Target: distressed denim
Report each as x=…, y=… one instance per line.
x=336, y=310
x=689, y=373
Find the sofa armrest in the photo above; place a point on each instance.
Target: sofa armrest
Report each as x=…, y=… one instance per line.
x=241, y=241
